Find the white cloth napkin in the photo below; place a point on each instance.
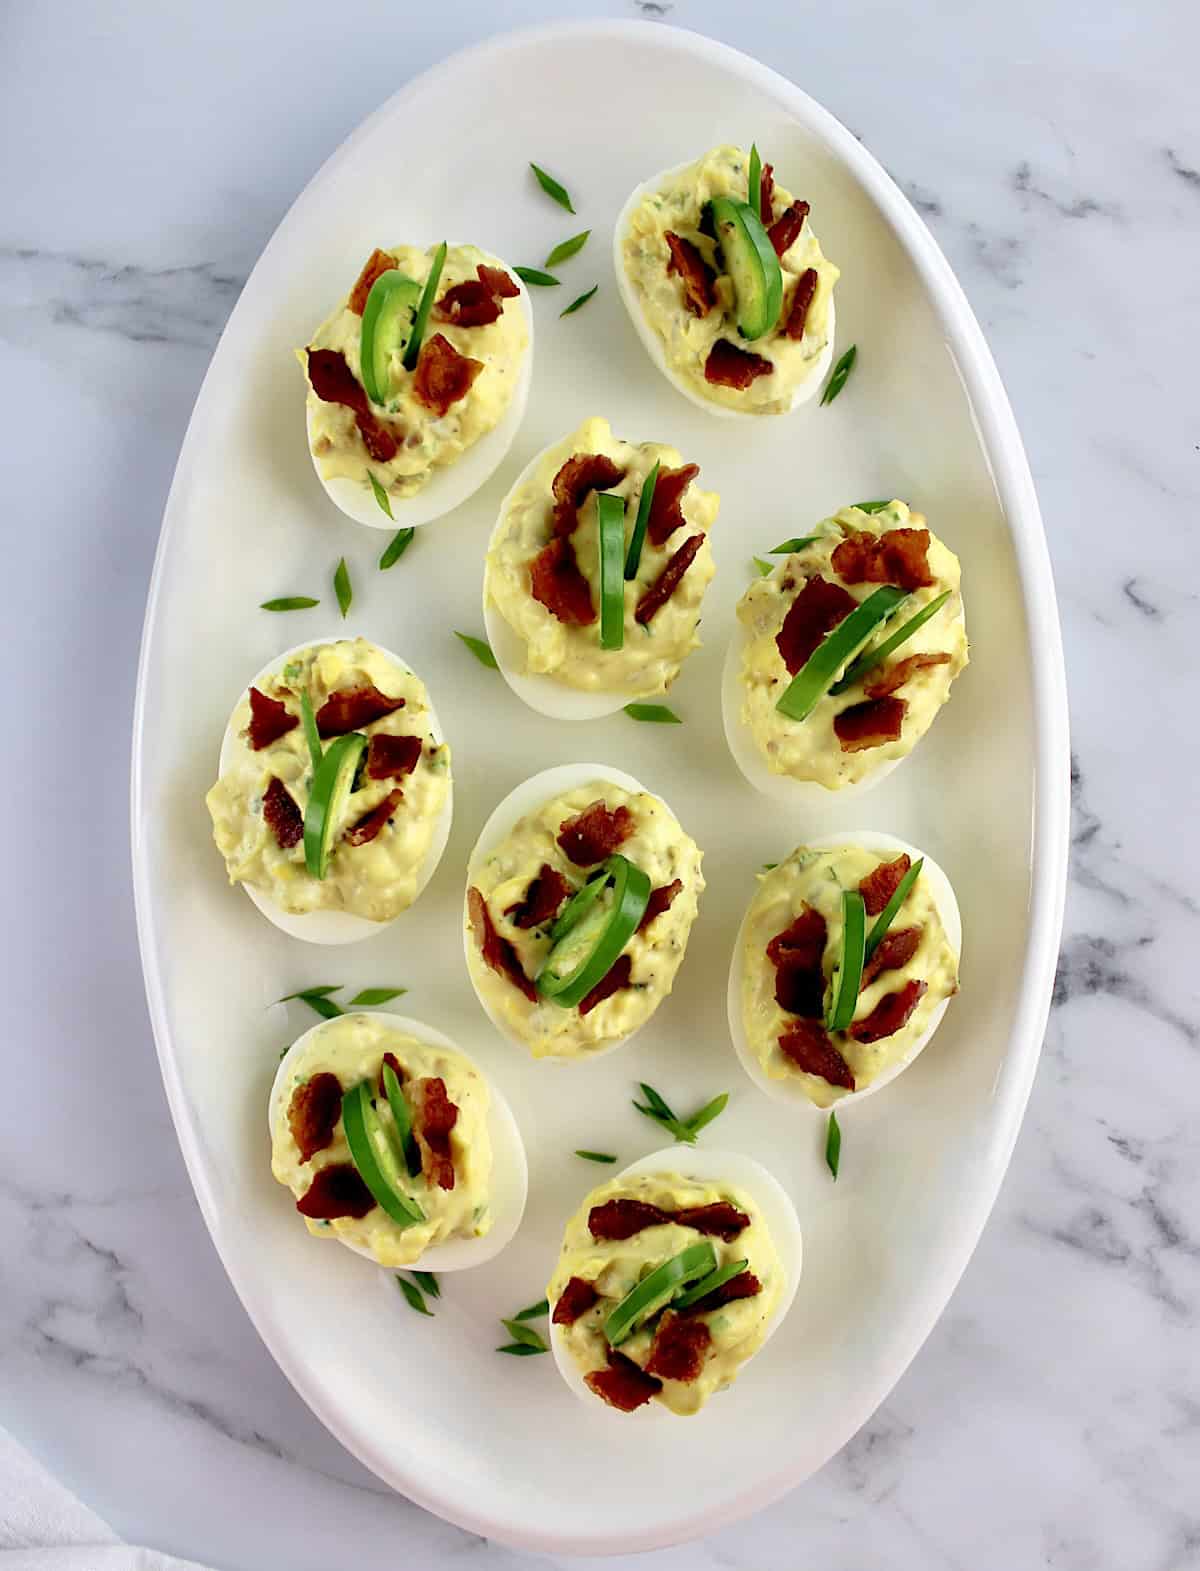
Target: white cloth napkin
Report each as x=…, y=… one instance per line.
x=44, y=1528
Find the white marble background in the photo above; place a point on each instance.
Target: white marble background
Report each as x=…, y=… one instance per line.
x=146, y=153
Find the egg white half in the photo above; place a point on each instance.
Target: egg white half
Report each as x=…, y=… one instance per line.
x=707, y=1166
x=509, y=1184
x=340, y=927
x=942, y=894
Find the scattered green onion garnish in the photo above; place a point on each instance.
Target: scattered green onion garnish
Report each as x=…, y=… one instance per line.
x=707, y=1113
x=535, y=276
x=342, y=588
x=796, y=543
x=533, y=1311
x=566, y=249
x=318, y=1000
x=890, y=911
x=396, y=547
x=657, y=1288
x=421, y=320
x=552, y=188
x=871, y=507
x=331, y=786
x=596, y=1156
x=763, y=567
x=520, y=1350
x=585, y=954
x=289, y=603
x=870, y=658
x=653, y=714
x=402, y=1117
x=833, y=1144
x=709, y=1284
x=769, y=867
x=754, y=182
x=427, y=1282
x=850, y=967
x=684, y=1130
x=610, y=515
x=373, y=1154
x=381, y=495
x=413, y=1294
x=524, y=1336
x=837, y=649
x=480, y=648
x=309, y=721
x=580, y=300
x=638, y=538
x=371, y=996
x=840, y=372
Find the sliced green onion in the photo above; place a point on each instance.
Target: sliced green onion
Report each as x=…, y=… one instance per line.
x=707, y=1113
x=396, y=547
x=330, y=787
x=868, y=660
x=588, y=952
x=840, y=372
x=372, y=1154
x=638, y=538
x=816, y=675
x=312, y=992
x=833, y=1144
x=580, y=300
x=656, y=1289
x=521, y=1350
x=566, y=249
x=427, y=1282
x=342, y=588
x=552, y=188
x=654, y=714
x=534, y=1311
x=480, y=648
x=535, y=276
x=371, y=996
x=319, y=1002
x=381, y=495
x=796, y=543
x=596, y=1156
x=890, y=911
x=311, y=735
x=754, y=183
x=578, y=906
x=525, y=1335
x=421, y=320
x=709, y=1284
x=871, y=507
x=289, y=603
x=413, y=1295
x=402, y=1117
x=610, y=513
x=763, y=567
x=850, y=967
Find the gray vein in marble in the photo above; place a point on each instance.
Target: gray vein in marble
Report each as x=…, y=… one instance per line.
x=1177, y=166
x=1137, y=599
x=1078, y=207
x=924, y=200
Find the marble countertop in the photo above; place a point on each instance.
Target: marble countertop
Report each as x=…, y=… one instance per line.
x=148, y=152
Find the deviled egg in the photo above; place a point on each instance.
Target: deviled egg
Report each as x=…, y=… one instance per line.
x=844, y=654
x=418, y=382
x=596, y=572
x=334, y=798
x=581, y=892
x=726, y=285
x=393, y=1143
x=844, y=964
x=671, y=1277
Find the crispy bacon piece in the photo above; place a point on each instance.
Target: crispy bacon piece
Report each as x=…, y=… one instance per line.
x=898, y=556
x=595, y=833
x=666, y=508
x=796, y=954
x=542, y=899
x=720, y=1219
x=269, y=720
x=613, y=980
x=622, y=1385
x=371, y=824
x=578, y=477
x=352, y=708
x=785, y=231
x=889, y=1014
x=378, y=263
x=313, y=1113
x=696, y=276
x=668, y=581
x=807, y=1044
x=443, y=376
x=556, y=582
x=661, y=899
x=333, y=382
x=397, y=1069
x=499, y=281
x=766, y=195
x=893, y=677
x=434, y=1116
x=879, y=885
x=575, y=1299
x=336, y=1190
x=679, y=1348
x=818, y=607
x=872, y=724
x=391, y=757
x=894, y=950
x=729, y=366
x=283, y=818
x=806, y=288
x=744, y=1285
x=617, y=1220
x=470, y=304
x=497, y=952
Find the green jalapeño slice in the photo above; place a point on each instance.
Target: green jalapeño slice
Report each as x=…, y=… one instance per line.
x=375, y=1157
x=588, y=950
x=752, y=264
x=657, y=1289
x=387, y=325
x=331, y=786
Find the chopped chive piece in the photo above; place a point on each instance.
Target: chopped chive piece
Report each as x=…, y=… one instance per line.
x=552, y=188
x=890, y=911
x=763, y=567
x=596, y=1156
x=342, y=588
x=833, y=1144
x=566, y=249
x=840, y=372
x=311, y=735
x=396, y=547
x=610, y=516
x=850, y=967
x=871, y=507
x=525, y=1335
x=709, y=1284
x=657, y=1288
x=381, y=495
x=480, y=648
x=371, y=996
x=707, y=1113
x=796, y=543
x=421, y=320
x=535, y=276
x=836, y=650
x=584, y=956
x=289, y=603
x=413, y=1294
x=653, y=714
x=580, y=300
x=522, y=1350
x=428, y=1283
x=754, y=183
x=638, y=538
x=870, y=658
x=534, y=1311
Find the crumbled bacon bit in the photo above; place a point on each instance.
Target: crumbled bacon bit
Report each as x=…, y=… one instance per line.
x=661, y=899
x=582, y=474
x=879, y=885
x=744, y=1285
x=556, y=582
x=818, y=608
x=499, y=281
x=313, y=1113
x=894, y=950
x=395, y=1065
x=622, y=1385
x=371, y=824
x=720, y=1219
x=614, y=979
x=336, y=1190
x=806, y=288
x=807, y=1044
x=729, y=366
x=378, y=263
x=352, y=708
x=269, y=720
x=898, y=556
x=668, y=581
x=470, y=304
x=542, y=900
x=616, y=1220
x=666, y=506
x=443, y=376
x=497, y=952
x=595, y=833
x=333, y=382
x=679, y=1348
x=785, y=231
x=283, y=818
x=872, y=724
x=391, y=757
x=796, y=954
x=697, y=277
x=575, y=1299
x=890, y=1014
x=893, y=677
x=766, y=195
x=434, y=1116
